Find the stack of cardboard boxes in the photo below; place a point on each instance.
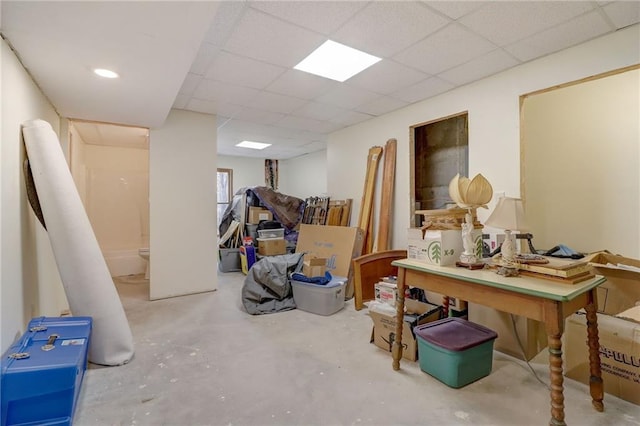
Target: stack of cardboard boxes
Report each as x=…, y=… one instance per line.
x=270, y=242
x=618, y=329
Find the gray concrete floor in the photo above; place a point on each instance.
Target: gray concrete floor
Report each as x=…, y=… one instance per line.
x=202, y=360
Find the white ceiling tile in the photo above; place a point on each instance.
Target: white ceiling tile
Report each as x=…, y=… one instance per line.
x=227, y=16
x=381, y=106
x=573, y=32
x=277, y=103
x=318, y=111
x=386, y=27
x=224, y=92
x=349, y=118
x=302, y=123
x=423, y=90
x=242, y=71
x=258, y=116
x=456, y=9
x=623, y=13
x=301, y=84
x=268, y=39
x=205, y=56
x=200, y=105
x=480, y=67
x=451, y=46
x=507, y=22
x=190, y=84
x=386, y=77
x=347, y=97
x=322, y=16
x=180, y=102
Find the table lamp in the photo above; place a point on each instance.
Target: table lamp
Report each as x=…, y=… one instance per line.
x=509, y=216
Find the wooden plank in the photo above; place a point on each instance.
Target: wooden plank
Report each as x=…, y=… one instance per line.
x=386, y=204
x=366, y=205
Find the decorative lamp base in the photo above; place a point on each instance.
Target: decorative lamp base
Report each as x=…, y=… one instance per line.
x=477, y=265
x=507, y=271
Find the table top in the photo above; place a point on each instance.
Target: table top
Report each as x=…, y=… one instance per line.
x=524, y=284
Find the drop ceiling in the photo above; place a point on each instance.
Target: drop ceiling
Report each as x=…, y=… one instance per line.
x=235, y=59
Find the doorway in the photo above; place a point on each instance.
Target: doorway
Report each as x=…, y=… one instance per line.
x=439, y=150
x=110, y=166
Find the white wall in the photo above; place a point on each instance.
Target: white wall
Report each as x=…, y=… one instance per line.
x=182, y=192
x=29, y=281
x=494, y=123
x=580, y=153
x=300, y=177
x=304, y=176
x=246, y=171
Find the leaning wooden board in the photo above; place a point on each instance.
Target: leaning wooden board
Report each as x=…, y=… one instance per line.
x=366, y=206
x=386, y=204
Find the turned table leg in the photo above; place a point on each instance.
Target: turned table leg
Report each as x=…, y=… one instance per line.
x=397, y=342
x=595, y=379
x=555, y=367
x=445, y=306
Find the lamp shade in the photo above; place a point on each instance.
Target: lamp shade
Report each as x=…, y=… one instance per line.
x=508, y=214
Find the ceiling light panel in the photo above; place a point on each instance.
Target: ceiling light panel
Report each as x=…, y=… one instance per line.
x=253, y=145
x=336, y=61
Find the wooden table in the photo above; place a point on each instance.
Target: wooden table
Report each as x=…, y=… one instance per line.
x=542, y=300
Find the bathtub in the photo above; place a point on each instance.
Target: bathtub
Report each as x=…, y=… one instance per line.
x=124, y=262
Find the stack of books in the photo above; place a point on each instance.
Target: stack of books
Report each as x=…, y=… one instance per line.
x=560, y=270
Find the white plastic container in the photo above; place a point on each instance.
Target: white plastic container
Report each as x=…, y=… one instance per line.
x=320, y=299
x=271, y=233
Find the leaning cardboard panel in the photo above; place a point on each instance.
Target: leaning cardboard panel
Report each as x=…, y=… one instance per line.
x=338, y=244
x=622, y=289
x=531, y=333
x=619, y=354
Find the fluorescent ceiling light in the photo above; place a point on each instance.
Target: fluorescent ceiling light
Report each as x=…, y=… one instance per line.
x=106, y=73
x=253, y=145
x=336, y=61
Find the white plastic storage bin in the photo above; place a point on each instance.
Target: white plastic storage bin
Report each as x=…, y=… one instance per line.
x=271, y=233
x=319, y=299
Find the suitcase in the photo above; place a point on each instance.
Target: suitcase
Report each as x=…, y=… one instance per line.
x=42, y=372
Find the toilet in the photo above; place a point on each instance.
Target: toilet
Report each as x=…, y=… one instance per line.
x=144, y=253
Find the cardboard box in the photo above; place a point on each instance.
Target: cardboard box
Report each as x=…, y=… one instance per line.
x=416, y=245
x=456, y=304
x=622, y=289
x=338, y=244
x=532, y=333
x=386, y=293
x=271, y=246
x=619, y=354
x=441, y=248
x=384, y=326
x=256, y=214
x=314, y=266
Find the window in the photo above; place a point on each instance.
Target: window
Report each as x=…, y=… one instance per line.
x=225, y=191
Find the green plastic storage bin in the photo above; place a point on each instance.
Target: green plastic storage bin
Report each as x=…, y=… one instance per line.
x=455, y=351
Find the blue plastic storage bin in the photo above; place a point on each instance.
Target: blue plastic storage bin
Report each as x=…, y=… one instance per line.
x=42, y=372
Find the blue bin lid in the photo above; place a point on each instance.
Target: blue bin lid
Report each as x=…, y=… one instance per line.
x=335, y=282
x=454, y=334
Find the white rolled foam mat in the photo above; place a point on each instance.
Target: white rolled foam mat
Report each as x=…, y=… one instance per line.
x=83, y=270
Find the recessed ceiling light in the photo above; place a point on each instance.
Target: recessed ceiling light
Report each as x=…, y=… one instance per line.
x=106, y=73
x=336, y=61
x=253, y=145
